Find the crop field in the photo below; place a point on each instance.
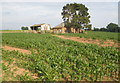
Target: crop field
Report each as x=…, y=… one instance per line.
x=96, y=35
x=55, y=59
x=14, y=31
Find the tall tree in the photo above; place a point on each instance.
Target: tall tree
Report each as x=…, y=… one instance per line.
x=76, y=15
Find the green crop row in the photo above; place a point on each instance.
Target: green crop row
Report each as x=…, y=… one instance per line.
x=96, y=35
x=19, y=60
x=58, y=59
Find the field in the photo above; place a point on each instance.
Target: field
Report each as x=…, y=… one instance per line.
x=54, y=59
x=13, y=31
x=96, y=35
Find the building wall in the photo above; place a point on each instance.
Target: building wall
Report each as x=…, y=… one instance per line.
x=45, y=27
x=59, y=30
x=73, y=30
x=56, y=30
x=63, y=30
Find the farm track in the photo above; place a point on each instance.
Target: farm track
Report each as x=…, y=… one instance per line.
x=16, y=49
x=91, y=41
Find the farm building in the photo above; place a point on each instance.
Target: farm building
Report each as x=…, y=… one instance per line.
x=62, y=29
x=40, y=27
x=59, y=28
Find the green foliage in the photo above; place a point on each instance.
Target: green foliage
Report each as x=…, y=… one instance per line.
x=96, y=29
x=24, y=28
x=112, y=27
x=96, y=35
x=58, y=59
x=24, y=77
x=22, y=61
x=4, y=67
x=103, y=29
x=100, y=29
x=76, y=15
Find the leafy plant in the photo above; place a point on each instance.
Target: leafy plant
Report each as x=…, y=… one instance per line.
x=58, y=59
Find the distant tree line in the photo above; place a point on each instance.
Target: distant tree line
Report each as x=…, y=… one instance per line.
x=112, y=27
x=24, y=28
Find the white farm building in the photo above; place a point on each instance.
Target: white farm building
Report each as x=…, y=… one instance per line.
x=41, y=27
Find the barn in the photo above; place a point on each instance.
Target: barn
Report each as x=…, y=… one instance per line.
x=40, y=26
x=62, y=29
x=59, y=28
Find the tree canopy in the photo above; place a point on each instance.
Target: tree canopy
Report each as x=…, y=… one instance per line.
x=76, y=15
x=24, y=28
x=112, y=27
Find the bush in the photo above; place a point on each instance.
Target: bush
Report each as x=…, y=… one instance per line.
x=24, y=28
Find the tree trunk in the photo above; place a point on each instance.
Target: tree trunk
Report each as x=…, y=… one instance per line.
x=75, y=30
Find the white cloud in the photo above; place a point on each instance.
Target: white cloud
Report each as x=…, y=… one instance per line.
x=17, y=14
x=27, y=14
x=103, y=13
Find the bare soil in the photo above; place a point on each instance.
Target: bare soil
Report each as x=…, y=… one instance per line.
x=15, y=69
x=91, y=41
x=16, y=49
x=18, y=71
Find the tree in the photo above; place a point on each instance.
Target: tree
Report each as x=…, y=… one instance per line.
x=89, y=26
x=24, y=28
x=112, y=27
x=103, y=29
x=96, y=29
x=76, y=15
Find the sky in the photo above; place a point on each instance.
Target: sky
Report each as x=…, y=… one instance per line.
x=119, y=14
x=16, y=14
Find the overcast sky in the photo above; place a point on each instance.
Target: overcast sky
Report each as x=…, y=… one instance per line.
x=17, y=14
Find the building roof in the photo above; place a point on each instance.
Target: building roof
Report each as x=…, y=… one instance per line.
x=37, y=25
x=61, y=25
